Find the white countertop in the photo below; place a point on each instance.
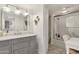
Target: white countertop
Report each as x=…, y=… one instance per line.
x=9, y=37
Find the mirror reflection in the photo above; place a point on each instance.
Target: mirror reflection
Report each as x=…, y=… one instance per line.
x=13, y=19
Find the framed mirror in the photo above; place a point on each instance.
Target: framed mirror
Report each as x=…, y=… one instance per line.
x=8, y=19
x=13, y=22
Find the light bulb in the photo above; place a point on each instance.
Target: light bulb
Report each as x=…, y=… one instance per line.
x=64, y=11
x=64, y=8
x=17, y=12
x=25, y=14
x=7, y=9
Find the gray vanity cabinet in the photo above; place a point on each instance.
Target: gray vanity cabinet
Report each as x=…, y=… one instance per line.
x=33, y=46
x=25, y=46
x=21, y=45
x=5, y=47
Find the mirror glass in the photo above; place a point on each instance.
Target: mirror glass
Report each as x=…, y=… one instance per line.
x=8, y=21
x=14, y=22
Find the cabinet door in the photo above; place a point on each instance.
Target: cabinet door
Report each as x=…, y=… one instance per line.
x=4, y=50
x=4, y=43
x=19, y=40
x=26, y=45
x=33, y=46
x=21, y=51
x=21, y=45
x=5, y=47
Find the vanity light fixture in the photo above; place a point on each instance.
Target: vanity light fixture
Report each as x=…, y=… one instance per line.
x=25, y=14
x=64, y=11
x=64, y=8
x=6, y=9
x=37, y=20
x=17, y=11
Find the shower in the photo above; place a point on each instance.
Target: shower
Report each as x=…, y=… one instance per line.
x=64, y=23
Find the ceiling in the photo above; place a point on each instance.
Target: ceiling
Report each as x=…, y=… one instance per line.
x=57, y=7
x=34, y=8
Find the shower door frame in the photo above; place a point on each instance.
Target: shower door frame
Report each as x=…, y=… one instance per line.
x=57, y=42
x=56, y=28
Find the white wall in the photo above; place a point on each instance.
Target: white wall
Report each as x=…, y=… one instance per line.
x=38, y=30
x=52, y=29
x=45, y=27
x=41, y=29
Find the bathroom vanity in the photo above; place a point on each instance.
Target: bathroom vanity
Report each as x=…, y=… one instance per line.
x=13, y=28
x=19, y=44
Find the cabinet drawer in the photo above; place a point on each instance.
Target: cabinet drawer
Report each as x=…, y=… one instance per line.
x=3, y=43
x=21, y=51
x=33, y=44
x=19, y=40
x=21, y=45
x=33, y=51
x=4, y=50
x=25, y=51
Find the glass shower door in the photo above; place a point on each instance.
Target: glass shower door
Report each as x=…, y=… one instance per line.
x=72, y=24
x=67, y=24
x=59, y=27
x=59, y=31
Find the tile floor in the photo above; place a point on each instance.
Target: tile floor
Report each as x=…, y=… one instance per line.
x=55, y=50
